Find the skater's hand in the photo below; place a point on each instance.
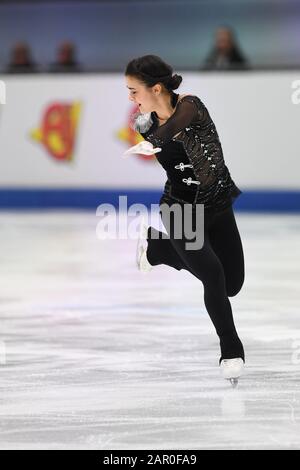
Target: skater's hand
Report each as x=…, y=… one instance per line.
x=144, y=148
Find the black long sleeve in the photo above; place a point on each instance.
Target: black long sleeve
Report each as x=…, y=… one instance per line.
x=194, y=162
x=185, y=113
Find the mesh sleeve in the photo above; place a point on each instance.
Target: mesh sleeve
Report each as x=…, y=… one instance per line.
x=186, y=112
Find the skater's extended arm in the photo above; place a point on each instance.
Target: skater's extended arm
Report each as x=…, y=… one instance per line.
x=186, y=112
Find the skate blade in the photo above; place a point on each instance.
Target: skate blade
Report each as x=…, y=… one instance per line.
x=234, y=382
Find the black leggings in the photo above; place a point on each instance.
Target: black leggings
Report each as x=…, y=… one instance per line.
x=219, y=265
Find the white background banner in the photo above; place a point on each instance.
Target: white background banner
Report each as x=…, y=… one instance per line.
x=257, y=122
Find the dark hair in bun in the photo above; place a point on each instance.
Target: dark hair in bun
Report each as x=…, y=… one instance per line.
x=151, y=69
x=175, y=82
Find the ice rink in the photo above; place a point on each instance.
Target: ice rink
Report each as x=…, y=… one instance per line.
x=96, y=355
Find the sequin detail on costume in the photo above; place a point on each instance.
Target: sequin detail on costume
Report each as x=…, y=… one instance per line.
x=192, y=127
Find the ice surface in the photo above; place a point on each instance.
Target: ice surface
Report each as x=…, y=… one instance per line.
x=95, y=355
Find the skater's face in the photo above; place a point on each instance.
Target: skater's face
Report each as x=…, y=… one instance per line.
x=142, y=95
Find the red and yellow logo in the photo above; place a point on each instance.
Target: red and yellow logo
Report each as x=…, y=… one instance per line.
x=57, y=132
x=131, y=137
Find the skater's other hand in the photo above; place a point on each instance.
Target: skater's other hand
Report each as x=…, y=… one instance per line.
x=144, y=148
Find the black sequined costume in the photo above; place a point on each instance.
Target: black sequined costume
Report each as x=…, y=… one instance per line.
x=191, y=155
x=193, y=159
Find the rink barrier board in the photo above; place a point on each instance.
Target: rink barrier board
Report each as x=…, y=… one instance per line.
x=66, y=198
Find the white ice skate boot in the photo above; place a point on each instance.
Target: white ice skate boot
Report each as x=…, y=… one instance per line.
x=141, y=250
x=232, y=369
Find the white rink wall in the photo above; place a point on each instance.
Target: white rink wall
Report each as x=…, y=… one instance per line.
x=256, y=115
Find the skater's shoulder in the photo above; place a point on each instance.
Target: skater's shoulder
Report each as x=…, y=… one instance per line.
x=191, y=98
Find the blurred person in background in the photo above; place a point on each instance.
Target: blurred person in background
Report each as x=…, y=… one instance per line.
x=66, y=60
x=226, y=53
x=21, y=59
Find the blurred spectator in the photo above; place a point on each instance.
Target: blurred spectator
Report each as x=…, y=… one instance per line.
x=226, y=53
x=66, y=60
x=20, y=59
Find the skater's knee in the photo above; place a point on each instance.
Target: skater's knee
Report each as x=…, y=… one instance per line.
x=232, y=293
x=234, y=288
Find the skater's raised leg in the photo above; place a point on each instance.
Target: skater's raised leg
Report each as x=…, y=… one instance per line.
x=161, y=251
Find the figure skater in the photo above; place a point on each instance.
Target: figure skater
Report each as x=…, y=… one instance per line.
x=180, y=132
